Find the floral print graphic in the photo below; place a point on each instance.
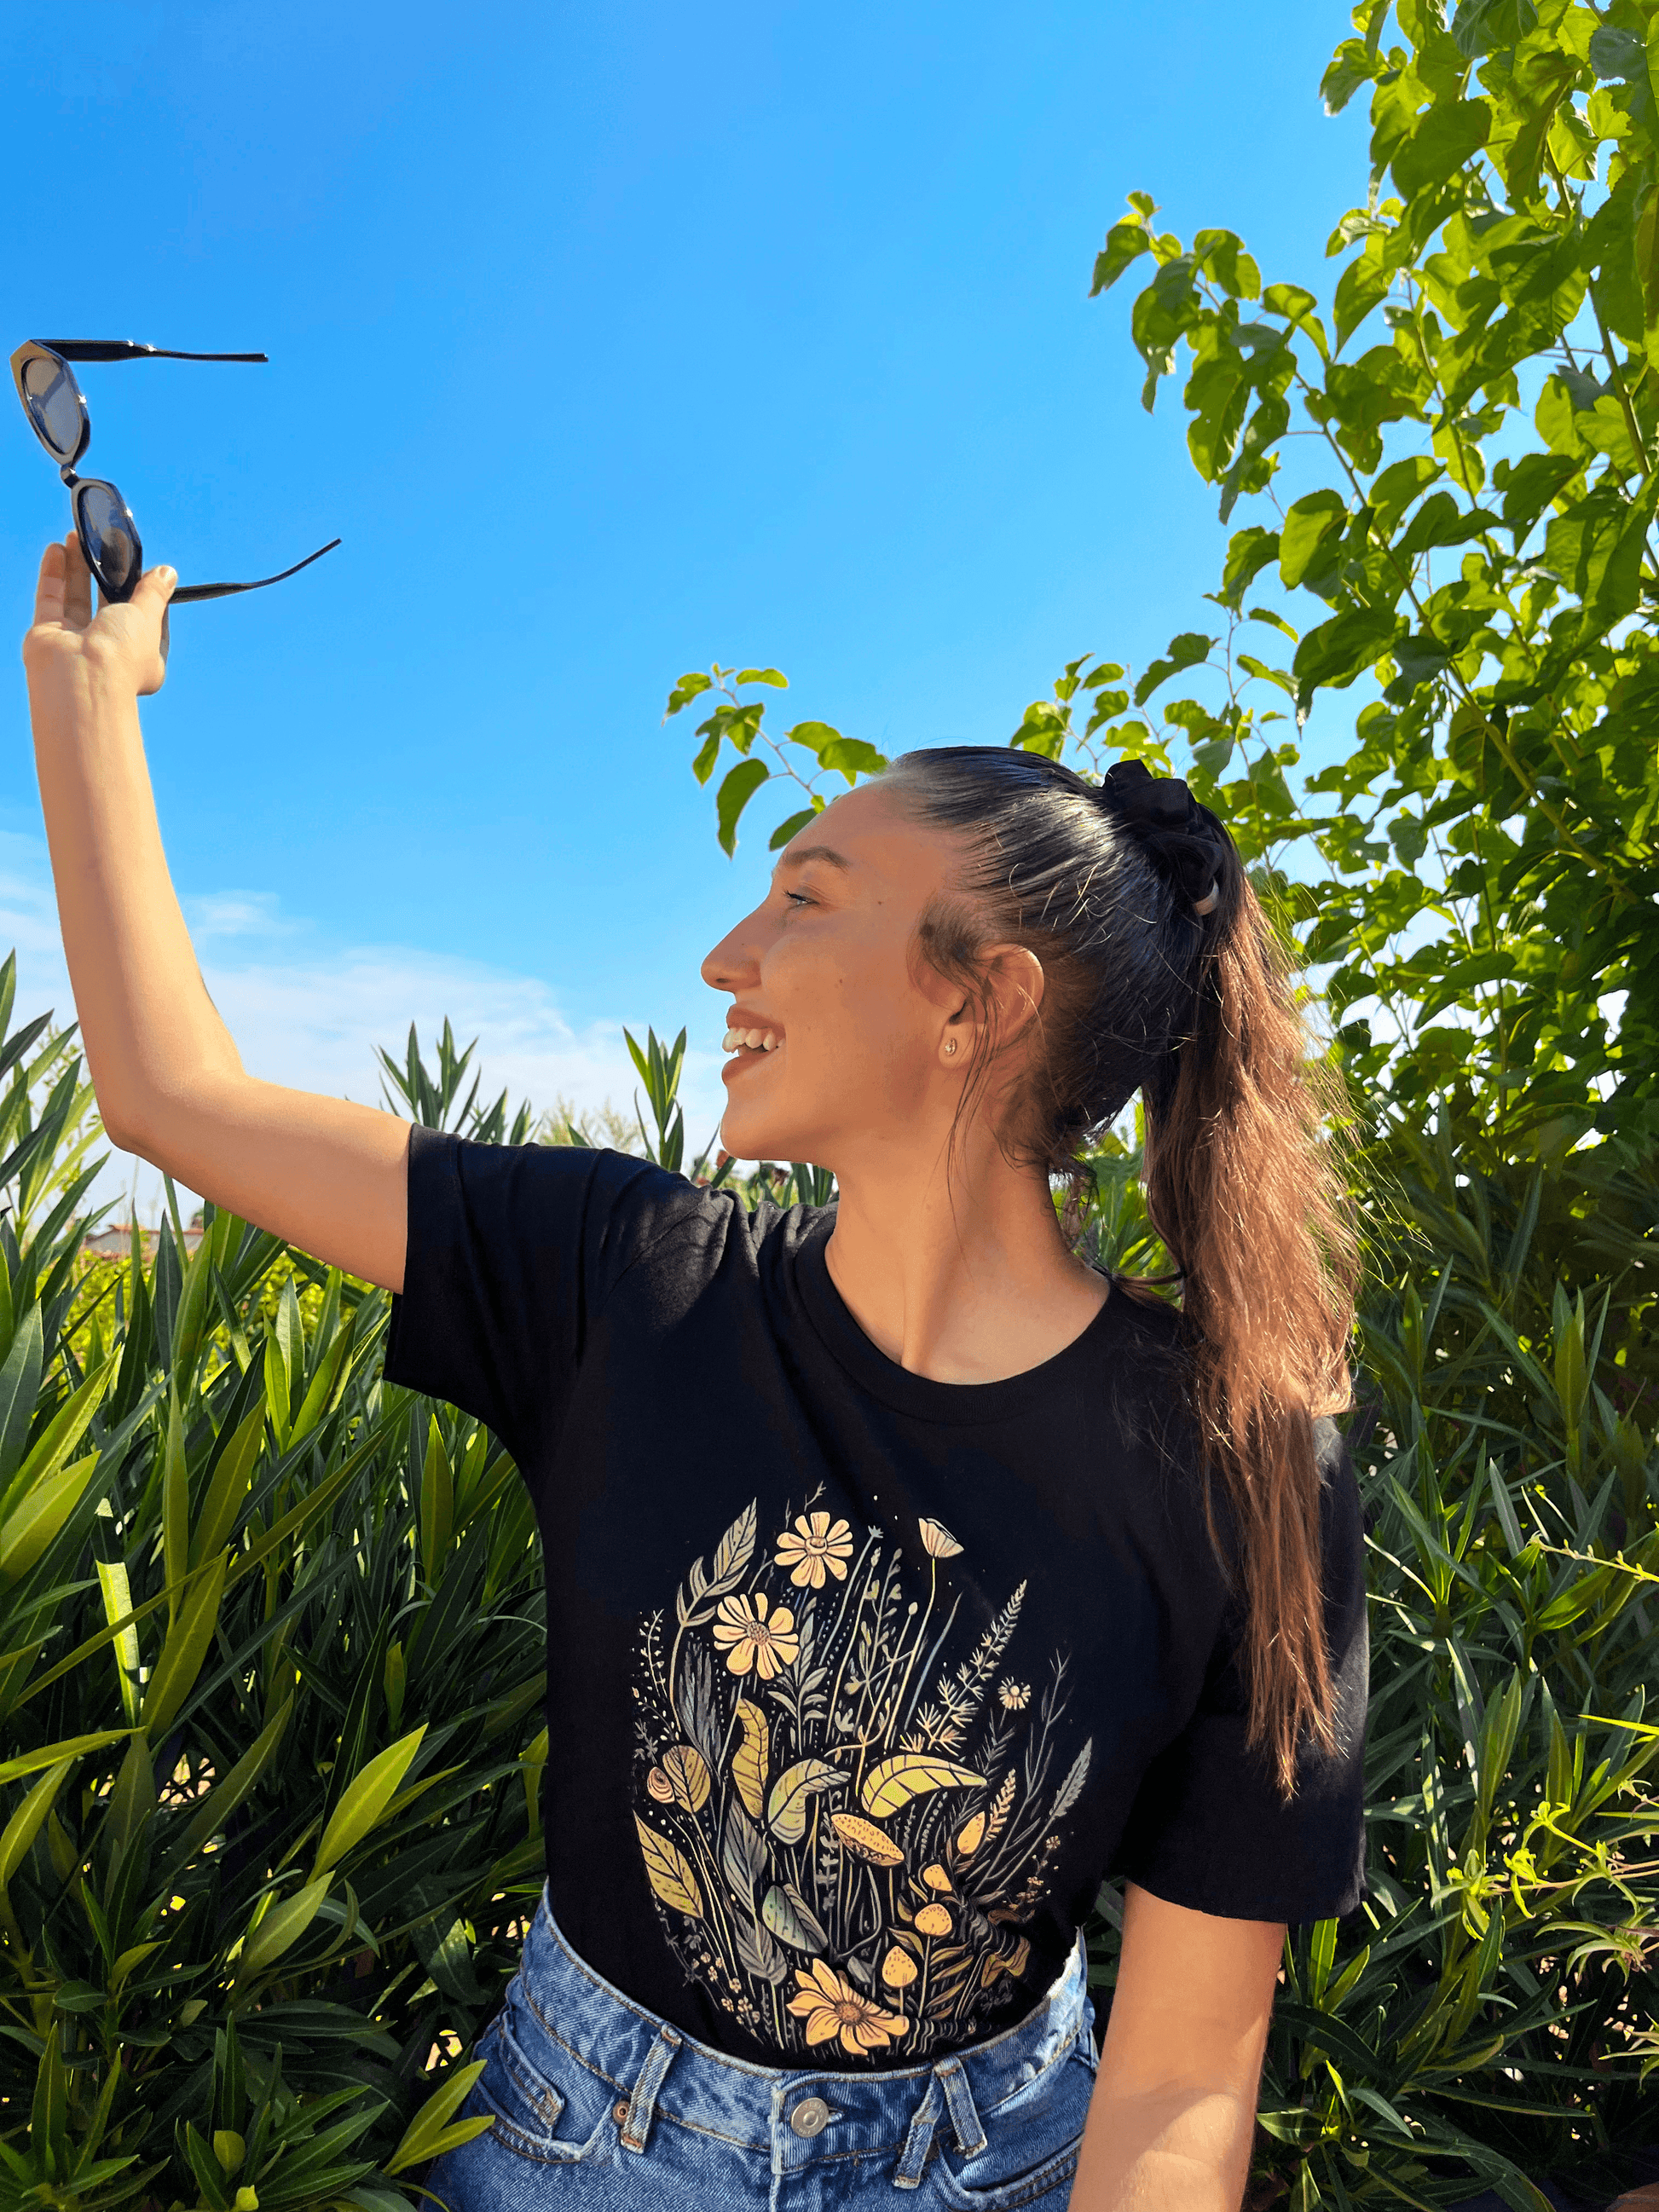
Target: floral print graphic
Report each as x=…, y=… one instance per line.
x=750, y=1639
x=811, y=1545
x=844, y=1816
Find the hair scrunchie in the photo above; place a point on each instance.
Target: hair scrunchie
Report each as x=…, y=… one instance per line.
x=1187, y=842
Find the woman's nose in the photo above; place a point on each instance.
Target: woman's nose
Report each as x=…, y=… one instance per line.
x=735, y=959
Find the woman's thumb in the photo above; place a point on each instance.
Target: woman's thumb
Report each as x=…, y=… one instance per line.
x=154, y=589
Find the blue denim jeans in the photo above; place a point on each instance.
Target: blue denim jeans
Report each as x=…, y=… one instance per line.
x=597, y=2102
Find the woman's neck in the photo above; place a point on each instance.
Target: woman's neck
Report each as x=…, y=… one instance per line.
x=965, y=1279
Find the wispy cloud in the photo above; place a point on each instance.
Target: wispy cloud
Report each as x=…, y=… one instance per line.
x=310, y=1014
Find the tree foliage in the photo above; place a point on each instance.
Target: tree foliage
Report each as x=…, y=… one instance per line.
x=1477, y=400
x=1436, y=481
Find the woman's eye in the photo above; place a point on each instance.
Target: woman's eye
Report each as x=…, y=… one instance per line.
x=798, y=898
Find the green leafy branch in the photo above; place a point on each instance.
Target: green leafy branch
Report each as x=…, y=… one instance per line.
x=740, y=723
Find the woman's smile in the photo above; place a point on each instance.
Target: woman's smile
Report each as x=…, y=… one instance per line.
x=750, y=1037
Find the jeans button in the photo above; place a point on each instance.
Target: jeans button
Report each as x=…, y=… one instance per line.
x=810, y=2116
x=619, y=2110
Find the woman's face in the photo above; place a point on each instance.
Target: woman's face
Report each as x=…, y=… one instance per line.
x=849, y=1030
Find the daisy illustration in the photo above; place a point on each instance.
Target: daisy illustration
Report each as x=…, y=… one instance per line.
x=754, y=1634
x=831, y=2006
x=814, y=1544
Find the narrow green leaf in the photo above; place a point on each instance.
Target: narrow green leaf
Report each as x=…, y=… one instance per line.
x=25, y=1823
x=223, y=1798
x=72, y=1747
x=360, y=1808
x=420, y=2139
x=186, y=1646
x=32, y=1525
x=281, y=1928
x=229, y=1488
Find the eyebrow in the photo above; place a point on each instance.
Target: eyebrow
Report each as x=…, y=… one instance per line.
x=798, y=858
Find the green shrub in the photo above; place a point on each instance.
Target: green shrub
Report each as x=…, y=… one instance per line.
x=271, y=1663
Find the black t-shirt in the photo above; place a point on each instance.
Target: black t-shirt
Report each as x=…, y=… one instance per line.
x=859, y=1683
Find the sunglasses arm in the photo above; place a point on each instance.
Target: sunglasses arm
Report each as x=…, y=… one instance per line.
x=223, y=591
x=126, y=349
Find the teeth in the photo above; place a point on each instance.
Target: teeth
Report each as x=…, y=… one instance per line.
x=751, y=1040
x=731, y=1040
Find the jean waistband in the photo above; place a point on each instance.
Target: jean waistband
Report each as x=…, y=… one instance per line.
x=658, y=2067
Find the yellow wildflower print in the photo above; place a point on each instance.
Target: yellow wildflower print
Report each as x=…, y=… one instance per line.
x=831, y=2006
x=812, y=1545
x=754, y=1634
x=1015, y=1696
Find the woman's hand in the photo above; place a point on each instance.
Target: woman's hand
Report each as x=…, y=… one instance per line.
x=125, y=646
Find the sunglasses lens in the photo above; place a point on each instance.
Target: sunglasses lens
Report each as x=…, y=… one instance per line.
x=110, y=536
x=54, y=405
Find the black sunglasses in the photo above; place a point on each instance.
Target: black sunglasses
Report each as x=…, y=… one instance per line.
x=103, y=521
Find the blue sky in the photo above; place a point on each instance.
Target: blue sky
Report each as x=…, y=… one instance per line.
x=611, y=341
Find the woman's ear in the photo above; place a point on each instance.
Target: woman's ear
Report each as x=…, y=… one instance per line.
x=1015, y=984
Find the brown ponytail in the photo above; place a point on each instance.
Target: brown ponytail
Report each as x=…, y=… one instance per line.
x=1145, y=991
x=1244, y=1188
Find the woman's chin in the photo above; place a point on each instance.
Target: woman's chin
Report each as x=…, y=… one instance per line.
x=748, y=1135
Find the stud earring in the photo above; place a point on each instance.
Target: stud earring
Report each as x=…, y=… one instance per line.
x=950, y=1044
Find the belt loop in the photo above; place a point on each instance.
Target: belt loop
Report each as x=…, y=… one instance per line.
x=643, y=2102
x=964, y=2114
x=907, y=2172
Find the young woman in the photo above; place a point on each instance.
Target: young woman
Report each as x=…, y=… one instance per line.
x=907, y=1576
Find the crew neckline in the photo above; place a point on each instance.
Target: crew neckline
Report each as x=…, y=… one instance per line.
x=921, y=1395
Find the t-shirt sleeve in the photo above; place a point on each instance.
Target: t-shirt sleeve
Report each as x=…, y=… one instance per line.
x=1209, y=1828
x=512, y=1251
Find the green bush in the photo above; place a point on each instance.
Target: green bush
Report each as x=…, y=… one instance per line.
x=271, y=1663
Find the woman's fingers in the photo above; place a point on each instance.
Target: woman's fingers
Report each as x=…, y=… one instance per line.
x=78, y=584
x=49, y=591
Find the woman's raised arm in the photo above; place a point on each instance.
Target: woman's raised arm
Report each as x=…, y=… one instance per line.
x=328, y=1175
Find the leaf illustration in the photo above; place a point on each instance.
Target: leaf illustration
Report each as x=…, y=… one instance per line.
x=743, y=1854
x=786, y=1809
x=758, y=1952
x=892, y=1782
x=787, y=1914
x=668, y=1873
x=696, y=1705
x=688, y=1777
x=1072, y=1788
x=867, y=1840
x=732, y=1553
x=749, y=1761
x=1001, y=1804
